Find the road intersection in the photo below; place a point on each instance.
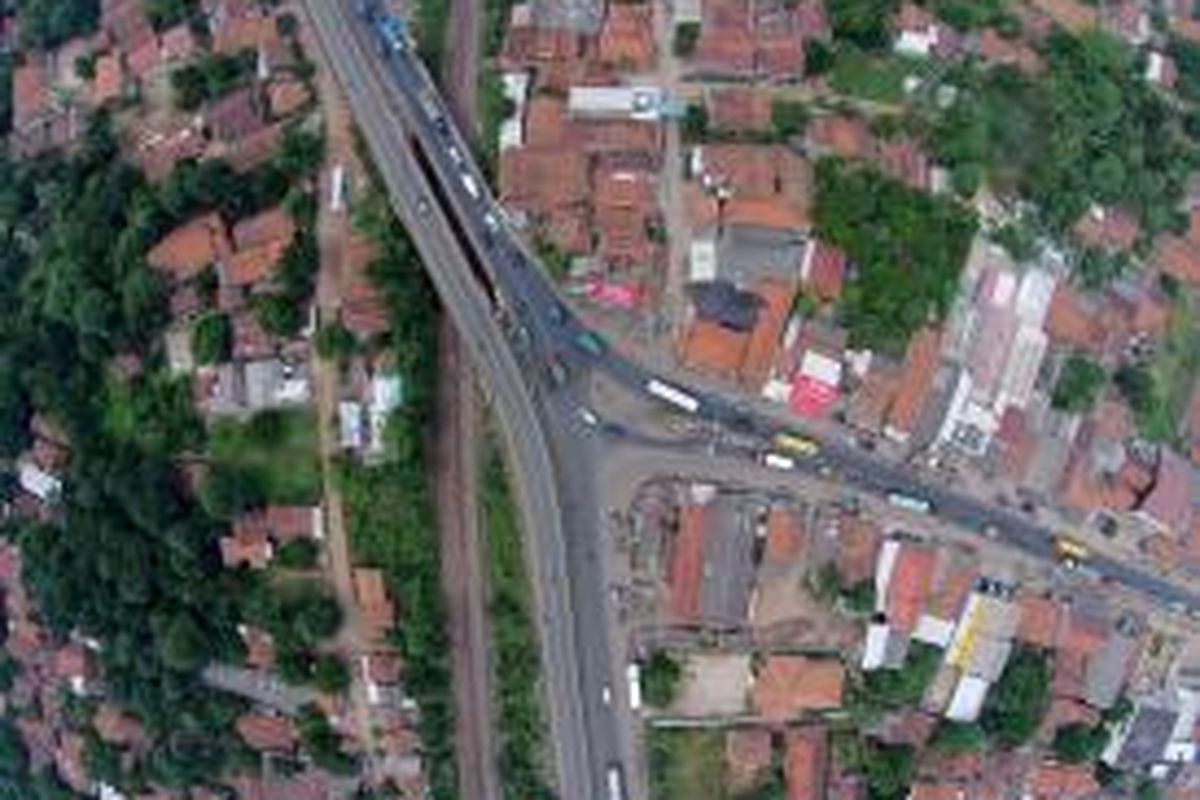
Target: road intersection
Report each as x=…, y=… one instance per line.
x=533, y=355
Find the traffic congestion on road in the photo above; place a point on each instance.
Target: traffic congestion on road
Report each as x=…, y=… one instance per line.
x=555, y=349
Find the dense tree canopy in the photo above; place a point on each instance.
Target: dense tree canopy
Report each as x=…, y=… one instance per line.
x=907, y=246
x=132, y=559
x=1088, y=131
x=1016, y=703
x=47, y=23
x=862, y=23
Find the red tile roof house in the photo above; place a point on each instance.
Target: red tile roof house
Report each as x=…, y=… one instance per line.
x=264, y=732
x=787, y=687
x=806, y=763
x=1168, y=505
x=236, y=116
x=186, y=251
x=39, y=121
x=370, y=590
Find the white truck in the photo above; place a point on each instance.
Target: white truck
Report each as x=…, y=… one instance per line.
x=673, y=395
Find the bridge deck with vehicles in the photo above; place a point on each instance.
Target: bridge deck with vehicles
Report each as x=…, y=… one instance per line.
x=503, y=270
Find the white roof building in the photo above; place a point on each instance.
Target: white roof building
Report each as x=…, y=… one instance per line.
x=38, y=482
x=967, y=702
x=644, y=103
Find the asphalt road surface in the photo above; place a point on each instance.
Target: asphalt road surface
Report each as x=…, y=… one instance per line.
x=552, y=346
x=385, y=120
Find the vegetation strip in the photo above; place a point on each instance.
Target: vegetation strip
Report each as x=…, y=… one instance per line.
x=514, y=650
x=389, y=508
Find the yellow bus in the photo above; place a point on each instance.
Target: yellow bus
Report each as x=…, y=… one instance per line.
x=796, y=444
x=1070, y=550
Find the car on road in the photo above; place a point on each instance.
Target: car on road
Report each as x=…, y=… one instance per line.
x=423, y=207
x=557, y=370
x=606, y=695
x=777, y=461
x=588, y=416
x=795, y=444
x=1070, y=551
x=591, y=342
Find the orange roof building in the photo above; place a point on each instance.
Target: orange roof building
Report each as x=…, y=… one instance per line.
x=685, y=565
x=109, y=80
x=805, y=761
x=1110, y=229
x=908, y=586
x=916, y=382
x=1039, y=622
x=785, y=535
x=739, y=109
x=188, y=249
x=710, y=347
x=627, y=37
x=370, y=590
x=788, y=686
x=1052, y=780
x=246, y=546
x=767, y=331
x=264, y=732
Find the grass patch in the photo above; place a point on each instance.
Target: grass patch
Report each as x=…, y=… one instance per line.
x=495, y=25
x=1172, y=373
x=431, y=22
x=277, y=449
x=687, y=763
x=514, y=642
x=879, y=79
x=494, y=108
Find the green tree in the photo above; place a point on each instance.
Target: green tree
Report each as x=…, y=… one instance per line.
x=860, y=598
x=1138, y=387
x=789, y=118
x=300, y=152
x=329, y=674
x=1078, y=384
x=183, y=645
x=818, y=58
x=278, y=315
x=695, y=123
x=687, y=34
x=85, y=67
x=891, y=689
x=909, y=248
x=14, y=760
x=661, y=676
x=298, y=554
x=957, y=737
x=229, y=490
x=334, y=342
x=1079, y=743
x=1016, y=703
x=45, y=24
x=165, y=13
x=212, y=338
x=862, y=23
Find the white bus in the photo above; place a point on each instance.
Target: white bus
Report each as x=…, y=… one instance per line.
x=633, y=674
x=673, y=395
x=907, y=502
